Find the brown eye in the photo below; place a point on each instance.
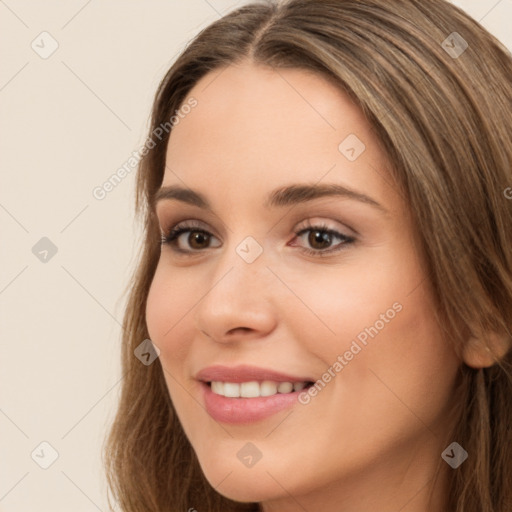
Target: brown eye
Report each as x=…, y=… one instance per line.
x=184, y=238
x=319, y=239
x=198, y=239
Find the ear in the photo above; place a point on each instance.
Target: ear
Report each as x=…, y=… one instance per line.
x=486, y=351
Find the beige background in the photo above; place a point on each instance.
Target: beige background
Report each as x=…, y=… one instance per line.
x=68, y=122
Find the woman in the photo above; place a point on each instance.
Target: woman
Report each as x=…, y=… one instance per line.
x=326, y=277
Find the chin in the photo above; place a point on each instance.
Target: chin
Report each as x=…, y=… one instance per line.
x=246, y=485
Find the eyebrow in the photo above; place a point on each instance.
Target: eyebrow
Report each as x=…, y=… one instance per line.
x=280, y=197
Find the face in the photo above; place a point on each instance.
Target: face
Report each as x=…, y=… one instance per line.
x=297, y=283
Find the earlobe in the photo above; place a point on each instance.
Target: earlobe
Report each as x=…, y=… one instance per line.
x=486, y=351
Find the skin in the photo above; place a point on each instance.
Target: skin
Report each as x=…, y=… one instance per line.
x=372, y=438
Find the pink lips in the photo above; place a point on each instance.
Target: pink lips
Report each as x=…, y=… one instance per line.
x=244, y=373
x=245, y=410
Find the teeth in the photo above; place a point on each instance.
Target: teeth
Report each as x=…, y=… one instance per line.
x=254, y=389
x=285, y=387
x=298, y=386
x=231, y=390
x=268, y=388
x=218, y=388
x=249, y=389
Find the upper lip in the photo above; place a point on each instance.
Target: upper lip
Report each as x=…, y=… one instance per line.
x=245, y=373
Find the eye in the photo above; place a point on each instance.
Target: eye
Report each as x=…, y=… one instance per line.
x=198, y=238
x=320, y=238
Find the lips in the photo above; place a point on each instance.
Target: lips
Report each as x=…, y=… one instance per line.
x=244, y=373
x=246, y=394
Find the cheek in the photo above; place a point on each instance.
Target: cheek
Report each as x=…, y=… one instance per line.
x=167, y=307
x=340, y=305
x=167, y=317
x=406, y=371
x=382, y=322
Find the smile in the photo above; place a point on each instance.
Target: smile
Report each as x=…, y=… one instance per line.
x=254, y=389
x=246, y=394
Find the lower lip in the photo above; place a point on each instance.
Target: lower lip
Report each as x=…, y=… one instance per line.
x=245, y=410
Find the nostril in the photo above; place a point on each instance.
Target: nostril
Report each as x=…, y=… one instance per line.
x=245, y=329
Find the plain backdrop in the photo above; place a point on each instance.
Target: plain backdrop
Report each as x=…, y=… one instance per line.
x=69, y=119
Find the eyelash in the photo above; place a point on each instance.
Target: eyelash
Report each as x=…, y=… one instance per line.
x=171, y=238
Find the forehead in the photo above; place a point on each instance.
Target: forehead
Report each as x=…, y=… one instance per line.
x=268, y=127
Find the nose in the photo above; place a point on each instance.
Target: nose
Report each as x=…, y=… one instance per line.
x=238, y=300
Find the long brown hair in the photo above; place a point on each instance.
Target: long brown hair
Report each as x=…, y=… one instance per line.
x=445, y=121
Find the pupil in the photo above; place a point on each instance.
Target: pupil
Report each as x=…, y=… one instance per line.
x=197, y=238
x=323, y=238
